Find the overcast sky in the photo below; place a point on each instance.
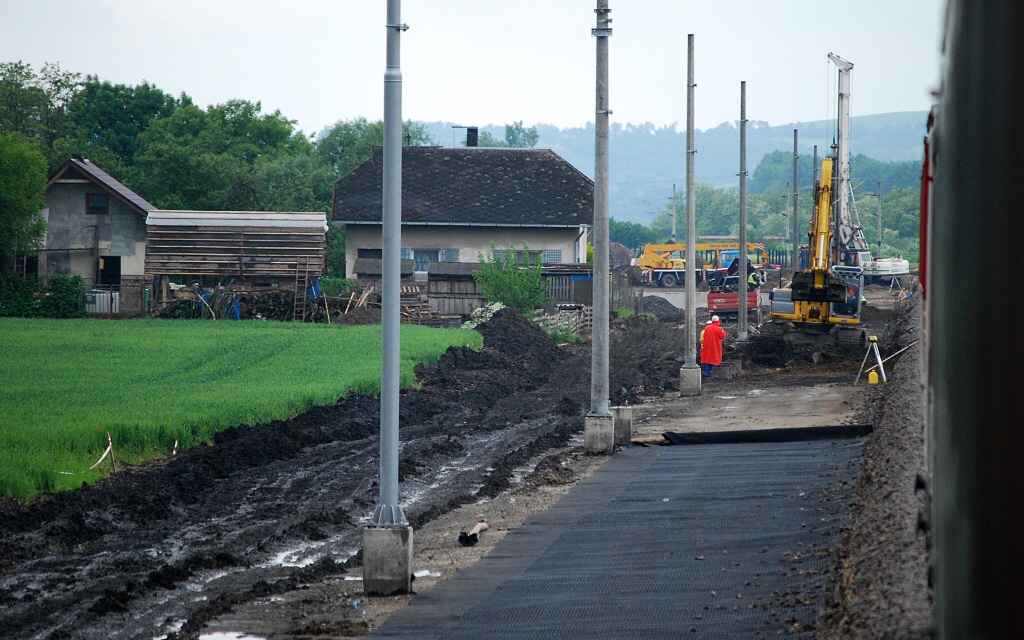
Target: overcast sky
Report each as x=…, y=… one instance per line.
x=483, y=62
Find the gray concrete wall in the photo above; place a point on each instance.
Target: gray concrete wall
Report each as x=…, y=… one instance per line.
x=470, y=241
x=72, y=234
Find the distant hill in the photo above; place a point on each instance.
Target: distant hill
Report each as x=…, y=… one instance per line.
x=646, y=160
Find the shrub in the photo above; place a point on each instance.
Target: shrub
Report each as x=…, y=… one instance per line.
x=18, y=297
x=562, y=336
x=62, y=299
x=24, y=298
x=503, y=280
x=336, y=287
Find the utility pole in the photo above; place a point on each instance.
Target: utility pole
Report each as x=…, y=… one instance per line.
x=785, y=207
x=598, y=431
x=674, y=210
x=879, y=220
x=387, y=541
x=689, y=373
x=796, y=210
x=741, y=288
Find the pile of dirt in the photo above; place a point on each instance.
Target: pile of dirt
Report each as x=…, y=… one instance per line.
x=662, y=309
x=644, y=359
x=880, y=587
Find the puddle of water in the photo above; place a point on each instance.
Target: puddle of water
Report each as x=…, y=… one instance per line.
x=230, y=635
x=726, y=397
x=753, y=393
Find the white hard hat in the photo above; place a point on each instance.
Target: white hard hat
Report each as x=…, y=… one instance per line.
x=714, y=318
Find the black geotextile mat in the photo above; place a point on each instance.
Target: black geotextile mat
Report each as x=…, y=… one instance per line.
x=712, y=541
x=787, y=434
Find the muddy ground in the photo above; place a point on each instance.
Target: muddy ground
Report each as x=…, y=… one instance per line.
x=261, y=527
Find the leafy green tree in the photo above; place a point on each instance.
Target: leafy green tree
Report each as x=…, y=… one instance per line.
x=34, y=104
x=502, y=279
x=631, y=234
x=516, y=136
x=212, y=160
x=112, y=116
x=183, y=162
x=349, y=143
x=297, y=182
x=336, y=251
x=22, y=180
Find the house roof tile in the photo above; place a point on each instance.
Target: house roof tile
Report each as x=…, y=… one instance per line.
x=471, y=186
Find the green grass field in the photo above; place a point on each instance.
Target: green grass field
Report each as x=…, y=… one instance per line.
x=66, y=383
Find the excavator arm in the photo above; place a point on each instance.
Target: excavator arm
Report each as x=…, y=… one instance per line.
x=815, y=284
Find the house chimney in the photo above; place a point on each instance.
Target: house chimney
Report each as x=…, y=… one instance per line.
x=77, y=156
x=471, y=136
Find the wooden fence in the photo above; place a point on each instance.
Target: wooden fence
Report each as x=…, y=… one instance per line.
x=578, y=320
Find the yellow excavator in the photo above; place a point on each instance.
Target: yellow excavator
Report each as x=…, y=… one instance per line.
x=825, y=294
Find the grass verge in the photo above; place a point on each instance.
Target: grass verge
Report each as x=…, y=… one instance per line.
x=153, y=382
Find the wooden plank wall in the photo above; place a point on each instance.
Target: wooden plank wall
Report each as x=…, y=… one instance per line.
x=243, y=252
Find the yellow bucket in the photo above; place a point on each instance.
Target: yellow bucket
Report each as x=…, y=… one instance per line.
x=872, y=377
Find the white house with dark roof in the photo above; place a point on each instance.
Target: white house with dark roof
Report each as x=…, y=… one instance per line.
x=95, y=229
x=457, y=202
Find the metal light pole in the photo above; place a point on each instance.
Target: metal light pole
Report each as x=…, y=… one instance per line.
x=598, y=432
x=674, y=212
x=879, y=220
x=741, y=319
x=689, y=373
x=796, y=211
x=387, y=542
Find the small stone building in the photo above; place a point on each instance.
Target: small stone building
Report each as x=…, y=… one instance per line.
x=96, y=229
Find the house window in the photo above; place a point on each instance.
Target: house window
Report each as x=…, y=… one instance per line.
x=552, y=256
x=372, y=254
x=521, y=256
x=425, y=257
x=406, y=253
x=449, y=255
x=97, y=203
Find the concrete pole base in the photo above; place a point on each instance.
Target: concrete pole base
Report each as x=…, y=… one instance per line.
x=689, y=381
x=599, y=434
x=387, y=560
x=623, y=418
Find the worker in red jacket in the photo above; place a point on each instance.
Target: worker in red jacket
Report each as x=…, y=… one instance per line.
x=711, y=349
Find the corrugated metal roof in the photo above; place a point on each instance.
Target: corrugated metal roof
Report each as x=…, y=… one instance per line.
x=104, y=180
x=289, y=219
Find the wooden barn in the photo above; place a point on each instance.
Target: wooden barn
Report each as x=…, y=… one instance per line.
x=240, y=249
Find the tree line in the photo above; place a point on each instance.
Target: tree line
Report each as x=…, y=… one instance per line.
x=236, y=156
x=770, y=207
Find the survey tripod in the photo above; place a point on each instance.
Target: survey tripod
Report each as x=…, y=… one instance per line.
x=872, y=349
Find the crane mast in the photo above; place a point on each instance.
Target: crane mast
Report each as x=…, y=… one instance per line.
x=847, y=233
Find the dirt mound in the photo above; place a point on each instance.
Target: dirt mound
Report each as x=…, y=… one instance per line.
x=662, y=309
x=644, y=359
x=880, y=578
